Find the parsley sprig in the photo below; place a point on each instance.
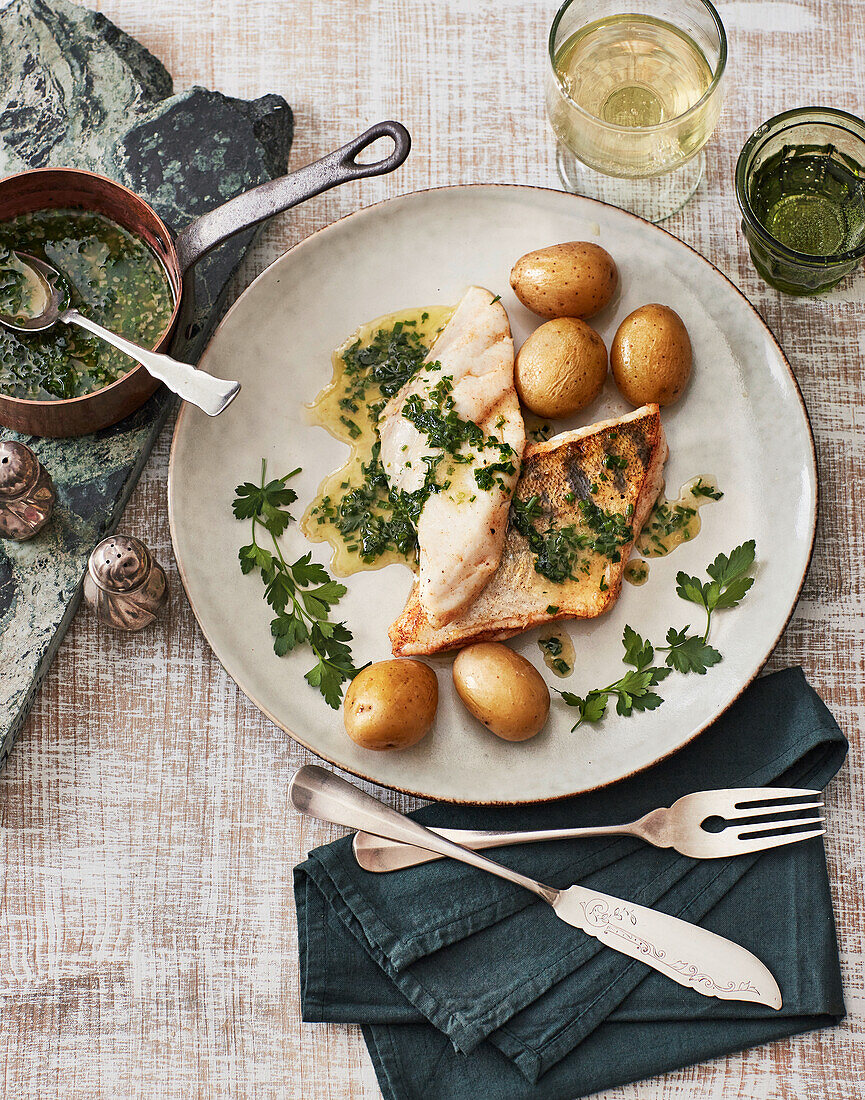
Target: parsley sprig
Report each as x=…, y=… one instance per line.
x=301, y=593
x=727, y=587
x=633, y=691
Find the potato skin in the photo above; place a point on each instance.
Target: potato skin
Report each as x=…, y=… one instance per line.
x=560, y=368
x=575, y=279
x=502, y=689
x=390, y=704
x=651, y=356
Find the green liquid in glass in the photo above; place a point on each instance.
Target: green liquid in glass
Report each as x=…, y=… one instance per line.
x=810, y=201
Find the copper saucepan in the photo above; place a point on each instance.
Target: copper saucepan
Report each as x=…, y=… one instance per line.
x=47, y=188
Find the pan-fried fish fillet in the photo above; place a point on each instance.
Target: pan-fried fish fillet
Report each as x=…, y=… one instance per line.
x=462, y=525
x=623, y=460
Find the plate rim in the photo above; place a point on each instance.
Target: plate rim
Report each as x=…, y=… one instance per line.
x=331, y=226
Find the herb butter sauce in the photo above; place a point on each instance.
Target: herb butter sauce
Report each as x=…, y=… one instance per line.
x=23, y=295
x=670, y=523
x=354, y=511
x=111, y=277
x=637, y=572
x=558, y=650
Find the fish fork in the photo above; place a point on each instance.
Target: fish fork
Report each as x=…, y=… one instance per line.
x=751, y=819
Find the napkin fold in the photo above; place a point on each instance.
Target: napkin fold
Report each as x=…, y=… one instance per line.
x=467, y=986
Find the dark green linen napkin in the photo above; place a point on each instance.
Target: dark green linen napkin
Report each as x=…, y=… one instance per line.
x=468, y=986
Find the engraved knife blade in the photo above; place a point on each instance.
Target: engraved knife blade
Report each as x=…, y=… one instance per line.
x=690, y=955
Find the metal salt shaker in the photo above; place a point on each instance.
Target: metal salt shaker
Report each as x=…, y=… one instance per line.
x=125, y=585
x=26, y=493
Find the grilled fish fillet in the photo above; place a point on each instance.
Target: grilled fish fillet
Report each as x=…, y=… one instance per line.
x=461, y=528
x=624, y=460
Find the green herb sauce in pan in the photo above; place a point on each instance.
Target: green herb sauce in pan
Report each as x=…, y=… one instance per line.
x=111, y=276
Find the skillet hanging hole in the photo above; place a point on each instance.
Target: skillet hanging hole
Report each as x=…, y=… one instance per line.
x=376, y=152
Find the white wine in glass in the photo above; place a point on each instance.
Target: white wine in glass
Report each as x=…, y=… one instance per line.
x=633, y=94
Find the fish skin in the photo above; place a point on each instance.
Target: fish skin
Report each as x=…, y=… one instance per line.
x=462, y=529
x=517, y=597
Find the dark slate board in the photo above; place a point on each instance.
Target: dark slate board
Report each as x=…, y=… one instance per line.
x=76, y=91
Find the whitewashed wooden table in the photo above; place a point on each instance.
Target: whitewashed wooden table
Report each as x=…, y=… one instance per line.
x=147, y=929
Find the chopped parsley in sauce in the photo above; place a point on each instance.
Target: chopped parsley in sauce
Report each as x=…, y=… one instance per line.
x=558, y=651
x=371, y=517
x=15, y=287
x=700, y=489
x=111, y=277
x=562, y=553
x=462, y=440
x=356, y=511
x=673, y=522
x=553, y=646
x=387, y=362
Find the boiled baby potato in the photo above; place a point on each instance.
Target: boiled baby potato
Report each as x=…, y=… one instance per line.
x=575, y=279
x=651, y=356
x=502, y=690
x=391, y=704
x=560, y=368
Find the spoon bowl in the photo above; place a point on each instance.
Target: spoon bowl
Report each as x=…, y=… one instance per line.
x=45, y=277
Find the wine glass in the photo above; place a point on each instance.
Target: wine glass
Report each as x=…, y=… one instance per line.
x=633, y=91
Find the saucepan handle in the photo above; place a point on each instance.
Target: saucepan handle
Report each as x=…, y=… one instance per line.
x=277, y=195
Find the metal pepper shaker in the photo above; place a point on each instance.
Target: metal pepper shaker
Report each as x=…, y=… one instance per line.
x=26, y=493
x=125, y=585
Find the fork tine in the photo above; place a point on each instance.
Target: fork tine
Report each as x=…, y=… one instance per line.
x=770, y=812
x=770, y=796
x=762, y=843
x=768, y=828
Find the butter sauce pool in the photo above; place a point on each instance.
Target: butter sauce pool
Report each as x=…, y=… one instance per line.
x=352, y=510
x=111, y=277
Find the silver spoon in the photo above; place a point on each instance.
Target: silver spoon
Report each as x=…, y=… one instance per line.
x=211, y=395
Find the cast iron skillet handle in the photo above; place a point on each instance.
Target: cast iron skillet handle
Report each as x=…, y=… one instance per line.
x=277, y=195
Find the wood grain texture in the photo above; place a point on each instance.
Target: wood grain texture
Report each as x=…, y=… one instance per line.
x=148, y=938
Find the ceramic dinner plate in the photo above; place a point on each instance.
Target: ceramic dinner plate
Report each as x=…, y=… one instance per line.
x=740, y=421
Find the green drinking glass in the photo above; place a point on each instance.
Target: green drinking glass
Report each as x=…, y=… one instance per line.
x=800, y=184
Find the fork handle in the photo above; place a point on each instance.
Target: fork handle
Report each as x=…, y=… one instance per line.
x=320, y=793
x=374, y=853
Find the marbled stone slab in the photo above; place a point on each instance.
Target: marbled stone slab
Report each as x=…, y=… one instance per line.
x=76, y=91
